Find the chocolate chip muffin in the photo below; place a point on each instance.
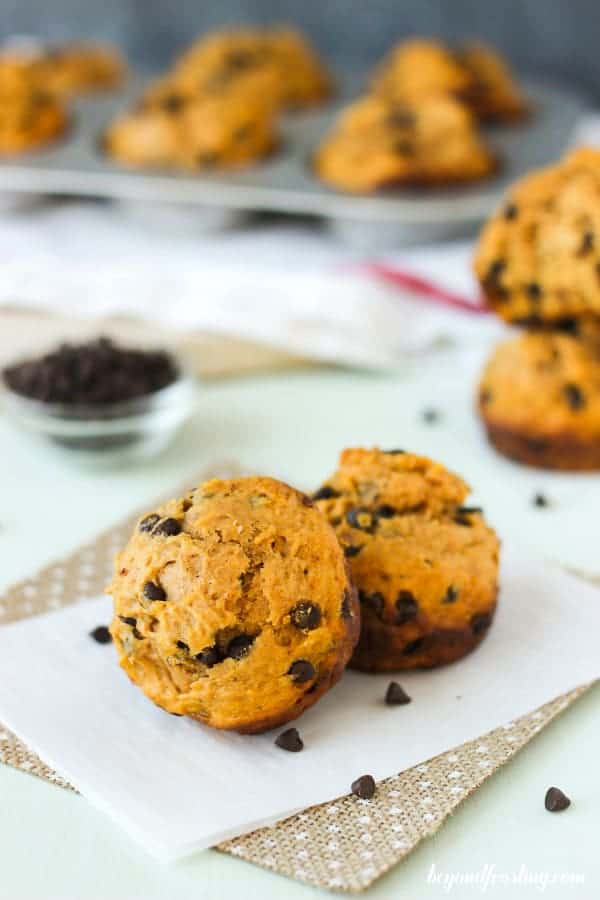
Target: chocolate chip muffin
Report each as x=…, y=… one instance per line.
x=29, y=119
x=379, y=144
x=537, y=258
x=234, y=605
x=474, y=74
x=494, y=94
x=422, y=68
x=425, y=565
x=80, y=67
x=193, y=133
x=277, y=66
x=539, y=399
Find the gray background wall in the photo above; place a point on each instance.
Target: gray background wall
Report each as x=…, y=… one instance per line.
x=555, y=37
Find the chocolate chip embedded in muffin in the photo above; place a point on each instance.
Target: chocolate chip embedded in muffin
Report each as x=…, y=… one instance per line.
x=424, y=572
x=252, y=633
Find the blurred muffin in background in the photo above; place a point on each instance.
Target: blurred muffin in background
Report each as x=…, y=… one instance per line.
x=202, y=133
x=29, y=116
x=277, y=65
x=495, y=95
x=378, y=143
x=64, y=69
x=81, y=67
x=475, y=74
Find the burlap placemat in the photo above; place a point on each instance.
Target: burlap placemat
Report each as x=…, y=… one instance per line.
x=345, y=845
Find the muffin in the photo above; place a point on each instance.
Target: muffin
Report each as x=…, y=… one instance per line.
x=202, y=134
x=425, y=564
x=234, y=605
x=29, y=117
x=475, y=74
x=539, y=399
x=537, y=257
x=377, y=144
x=276, y=66
x=494, y=95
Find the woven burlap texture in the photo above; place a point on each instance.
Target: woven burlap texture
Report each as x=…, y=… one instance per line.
x=343, y=846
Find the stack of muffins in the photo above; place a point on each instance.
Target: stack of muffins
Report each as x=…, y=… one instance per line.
x=217, y=107
x=538, y=266
x=34, y=83
x=241, y=603
x=420, y=123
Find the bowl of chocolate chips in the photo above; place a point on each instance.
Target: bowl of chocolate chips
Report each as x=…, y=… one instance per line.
x=99, y=400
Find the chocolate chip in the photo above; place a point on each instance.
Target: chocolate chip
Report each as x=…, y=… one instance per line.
x=364, y=787
x=533, y=290
x=240, y=646
x=306, y=615
x=480, y=623
x=451, y=595
x=101, y=635
x=587, y=243
x=290, y=740
x=301, y=671
x=183, y=646
x=351, y=550
x=463, y=514
x=414, y=646
x=574, y=396
x=148, y=522
x=395, y=452
x=396, y=695
x=137, y=634
x=306, y=501
x=555, y=800
x=374, y=600
x=385, y=511
x=430, y=416
x=495, y=271
x=128, y=620
x=346, y=604
x=361, y=518
x=511, y=211
x=209, y=657
x=403, y=148
x=325, y=493
x=401, y=118
x=172, y=103
x=153, y=591
x=168, y=528
x=540, y=501
x=406, y=607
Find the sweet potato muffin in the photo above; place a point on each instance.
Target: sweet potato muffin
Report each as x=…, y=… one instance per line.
x=379, y=144
x=234, y=605
x=425, y=565
x=276, y=65
x=539, y=399
x=203, y=133
x=537, y=257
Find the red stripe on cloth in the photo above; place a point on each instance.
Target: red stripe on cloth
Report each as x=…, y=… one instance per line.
x=427, y=289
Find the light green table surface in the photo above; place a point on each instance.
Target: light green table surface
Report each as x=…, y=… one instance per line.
x=55, y=845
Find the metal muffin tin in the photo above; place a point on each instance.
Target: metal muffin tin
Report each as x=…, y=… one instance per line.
x=284, y=182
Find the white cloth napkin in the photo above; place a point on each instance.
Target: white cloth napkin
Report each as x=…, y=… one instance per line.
x=177, y=786
x=292, y=288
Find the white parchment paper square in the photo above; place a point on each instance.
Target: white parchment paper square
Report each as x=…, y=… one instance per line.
x=176, y=786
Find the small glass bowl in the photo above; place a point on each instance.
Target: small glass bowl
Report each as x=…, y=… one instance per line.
x=107, y=434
